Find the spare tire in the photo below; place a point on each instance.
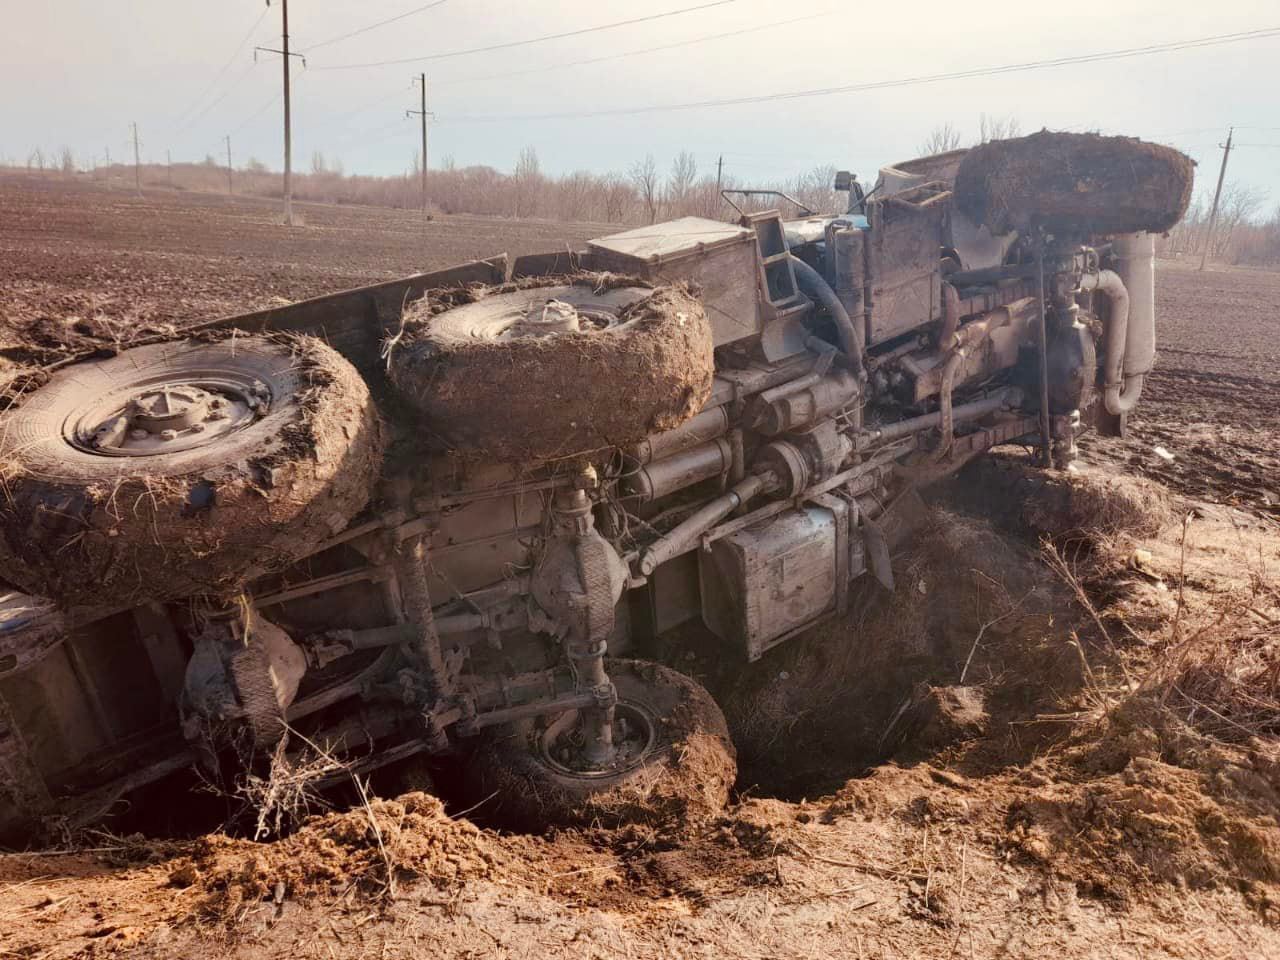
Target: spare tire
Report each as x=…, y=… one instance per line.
x=1076, y=182
x=182, y=468
x=556, y=369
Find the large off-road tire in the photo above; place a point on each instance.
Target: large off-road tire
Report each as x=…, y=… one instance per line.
x=1076, y=182
x=181, y=469
x=676, y=765
x=552, y=370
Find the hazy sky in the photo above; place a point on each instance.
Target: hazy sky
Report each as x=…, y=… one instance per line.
x=76, y=72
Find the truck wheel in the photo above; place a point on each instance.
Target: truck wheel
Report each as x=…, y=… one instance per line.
x=1074, y=182
x=675, y=761
x=554, y=370
x=182, y=468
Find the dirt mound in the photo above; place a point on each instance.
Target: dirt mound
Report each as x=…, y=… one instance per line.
x=374, y=848
x=1079, y=182
x=489, y=387
x=1150, y=822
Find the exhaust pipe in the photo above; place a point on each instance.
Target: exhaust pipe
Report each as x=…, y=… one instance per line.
x=1131, y=330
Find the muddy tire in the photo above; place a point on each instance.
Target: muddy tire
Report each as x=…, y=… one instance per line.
x=184, y=468
x=678, y=769
x=1077, y=182
x=553, y=370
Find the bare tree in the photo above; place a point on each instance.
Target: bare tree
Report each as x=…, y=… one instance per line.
x=942, y=139
x=527, y=181
x=317, y=162
x=1238, y=206
x=618, y=197
x=817, y=189
x=684, y=173
x=68, y=162
x=997, y=128
x=644, y=175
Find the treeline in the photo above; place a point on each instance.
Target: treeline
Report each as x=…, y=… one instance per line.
x=1243, y=234
x=643, y=193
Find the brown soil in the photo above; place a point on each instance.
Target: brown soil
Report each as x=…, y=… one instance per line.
x=1120, y=798
x=1210, y=402
x=1079, y=182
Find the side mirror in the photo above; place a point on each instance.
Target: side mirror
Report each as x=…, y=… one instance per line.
x=844, y=180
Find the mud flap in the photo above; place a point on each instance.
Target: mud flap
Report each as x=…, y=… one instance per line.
x=893, y=527
x=878, y=553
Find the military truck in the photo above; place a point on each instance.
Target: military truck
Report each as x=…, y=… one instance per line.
x=450, y=514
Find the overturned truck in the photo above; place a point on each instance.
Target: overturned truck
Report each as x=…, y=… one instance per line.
x=451, y=514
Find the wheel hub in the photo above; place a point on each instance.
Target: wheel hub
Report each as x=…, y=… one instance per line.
x=167, y=416
x=563, y=744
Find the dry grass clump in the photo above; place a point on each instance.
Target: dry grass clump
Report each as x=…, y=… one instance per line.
x=1095, y=507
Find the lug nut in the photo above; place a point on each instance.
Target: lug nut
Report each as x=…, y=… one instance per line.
x=138, y=434
x=217, y=403
x=197, y=428
x=168, y=434
x=217, y=415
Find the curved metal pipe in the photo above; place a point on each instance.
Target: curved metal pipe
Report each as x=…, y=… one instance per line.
x=950, y=315
x=946, y=424
x=812, y=282
x=1130, y=337
x=701, y=520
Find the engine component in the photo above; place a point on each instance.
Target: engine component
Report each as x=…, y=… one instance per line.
x=761, y=584
x=679, y=471
x=1130, y=324
x=851, y=339
x=707, y=425
x=704, y=518
x=790, y=406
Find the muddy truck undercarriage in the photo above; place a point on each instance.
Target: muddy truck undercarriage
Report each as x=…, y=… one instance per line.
x=445, y=515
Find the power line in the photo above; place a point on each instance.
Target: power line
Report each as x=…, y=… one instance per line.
x=886, y=84
x=226, y=66
x=382, y=98
x=217, y=100
x=531, y=40
x=636, y=53
x=375, y=26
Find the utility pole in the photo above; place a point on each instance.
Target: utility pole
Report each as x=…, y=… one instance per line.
x=168, y=166
x=108, y=149
x=288, y=135
x=719, y=179
x=229, y=189
x=137, y=161
x=424, y=115
x=1217, y=194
